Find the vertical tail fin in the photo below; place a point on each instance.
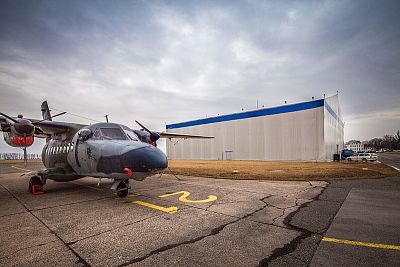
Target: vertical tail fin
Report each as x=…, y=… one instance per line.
x=46, y=111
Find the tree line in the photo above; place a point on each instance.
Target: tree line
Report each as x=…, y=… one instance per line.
x=388, y=142
x=15, y=156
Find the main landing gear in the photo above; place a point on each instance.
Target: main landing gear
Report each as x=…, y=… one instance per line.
x=36, y=184
x=121, y=187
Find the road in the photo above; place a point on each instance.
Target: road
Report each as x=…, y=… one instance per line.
x=366, y=229
x=391, y=159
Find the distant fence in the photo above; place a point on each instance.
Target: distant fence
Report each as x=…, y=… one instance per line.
x=15, y=156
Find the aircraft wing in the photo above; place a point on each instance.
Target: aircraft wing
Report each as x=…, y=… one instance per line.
x=49, y=127
x=57, y=127
x=185, y=136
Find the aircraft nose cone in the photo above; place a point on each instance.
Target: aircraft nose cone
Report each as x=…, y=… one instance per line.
x=143, y=159
x=146, y=159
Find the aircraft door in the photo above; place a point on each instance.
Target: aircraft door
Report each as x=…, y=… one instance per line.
x=83, y=154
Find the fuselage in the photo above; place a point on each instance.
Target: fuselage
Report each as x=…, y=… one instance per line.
x=111, y=151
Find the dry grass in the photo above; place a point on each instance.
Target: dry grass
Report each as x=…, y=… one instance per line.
x=267, y=170
x=16, y=161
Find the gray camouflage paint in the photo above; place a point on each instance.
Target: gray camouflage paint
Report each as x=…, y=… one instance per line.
x=72, y=159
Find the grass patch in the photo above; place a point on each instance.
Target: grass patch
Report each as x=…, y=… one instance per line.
x=16, y=161
x=271, y=170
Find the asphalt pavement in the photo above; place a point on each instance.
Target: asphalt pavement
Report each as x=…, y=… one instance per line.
x=391, y=159
x=195, y=221
x=164, y=221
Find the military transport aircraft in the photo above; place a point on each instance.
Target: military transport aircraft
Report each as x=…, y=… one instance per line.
x=102, y=150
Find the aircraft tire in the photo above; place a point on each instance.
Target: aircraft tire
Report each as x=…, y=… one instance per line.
x=122, y=190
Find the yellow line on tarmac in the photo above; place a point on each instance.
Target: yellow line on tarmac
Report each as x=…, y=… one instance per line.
x=21, y=169
x=149, y=205
x=186, y=194
x=358, y=243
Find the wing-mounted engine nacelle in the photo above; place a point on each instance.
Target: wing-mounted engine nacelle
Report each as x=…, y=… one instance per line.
x=18, y=140
x=145, y=137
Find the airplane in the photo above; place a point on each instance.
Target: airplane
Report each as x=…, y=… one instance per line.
x=101, y=150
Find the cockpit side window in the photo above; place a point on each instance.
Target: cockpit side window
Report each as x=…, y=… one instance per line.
x=113, y=133
x=97, y=134
x=131, y=135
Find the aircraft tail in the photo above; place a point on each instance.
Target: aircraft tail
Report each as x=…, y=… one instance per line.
x=46, y=111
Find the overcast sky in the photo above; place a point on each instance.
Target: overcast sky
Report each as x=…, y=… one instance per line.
x=169, y=61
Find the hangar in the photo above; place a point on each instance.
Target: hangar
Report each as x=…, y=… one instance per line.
x=306, y=131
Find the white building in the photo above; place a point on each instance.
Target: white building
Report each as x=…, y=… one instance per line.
x=307, y=131
x=356, y=146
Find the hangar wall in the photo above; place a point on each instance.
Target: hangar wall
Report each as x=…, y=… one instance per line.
x=291, y=132
x=333, y=127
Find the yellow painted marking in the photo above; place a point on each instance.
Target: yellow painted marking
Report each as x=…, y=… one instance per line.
x=149, y=205
x=185, y=194
x=358, y=243
x=21, y=169
x=133, y=195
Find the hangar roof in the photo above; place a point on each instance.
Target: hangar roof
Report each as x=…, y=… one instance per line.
x=258, y=113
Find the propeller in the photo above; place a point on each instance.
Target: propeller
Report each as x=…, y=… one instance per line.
x=25, y=127
x=154, y=136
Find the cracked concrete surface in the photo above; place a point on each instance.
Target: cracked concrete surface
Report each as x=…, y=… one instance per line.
x=89, y=226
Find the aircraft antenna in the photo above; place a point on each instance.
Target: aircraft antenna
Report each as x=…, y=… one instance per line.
x=106, y=116
x=79, y=116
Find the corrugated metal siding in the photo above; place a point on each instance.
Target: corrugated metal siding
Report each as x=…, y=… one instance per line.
x=333, y=127
x=294, y=136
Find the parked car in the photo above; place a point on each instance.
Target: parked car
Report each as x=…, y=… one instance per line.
x=364, y=157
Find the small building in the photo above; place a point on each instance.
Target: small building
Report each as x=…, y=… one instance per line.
x=355, y=146
x=306, y=131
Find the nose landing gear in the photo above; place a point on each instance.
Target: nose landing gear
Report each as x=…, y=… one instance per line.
x=121, y=187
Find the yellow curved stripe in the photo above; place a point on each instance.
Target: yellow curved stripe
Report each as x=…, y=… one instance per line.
x=358, y=243
x=185, y=194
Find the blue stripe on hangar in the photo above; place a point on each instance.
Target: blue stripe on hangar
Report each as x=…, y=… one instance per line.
x=330, y=110
x=251, y=114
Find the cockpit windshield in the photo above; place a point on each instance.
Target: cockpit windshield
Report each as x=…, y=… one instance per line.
x=131, y=135
x=113, y=134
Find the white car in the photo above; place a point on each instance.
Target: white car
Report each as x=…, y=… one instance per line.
x=364, y=157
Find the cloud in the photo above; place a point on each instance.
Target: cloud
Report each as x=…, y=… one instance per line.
x=164, y=62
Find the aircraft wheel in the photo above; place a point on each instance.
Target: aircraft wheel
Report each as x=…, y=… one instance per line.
x=122, y=190
x=348, y=159
x=364, y=160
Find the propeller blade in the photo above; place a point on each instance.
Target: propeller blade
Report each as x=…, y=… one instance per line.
x=153, y=135
x=8, y=117
x=144, y=128
x=59, y=114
